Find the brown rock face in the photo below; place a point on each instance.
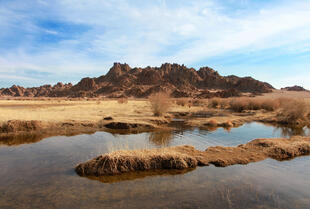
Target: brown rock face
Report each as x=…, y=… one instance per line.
x=122, y=80
x=86, y=84
x=294, y=88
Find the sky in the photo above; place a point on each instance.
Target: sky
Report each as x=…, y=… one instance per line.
x=43, y=42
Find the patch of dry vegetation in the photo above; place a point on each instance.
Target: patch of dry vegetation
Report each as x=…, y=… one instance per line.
x=160, y=103
x=182, y=102
x=124, y=161
x=198, y=102
x=242, y=104
x=218, y=103
x=183, y=157
x=295, y=112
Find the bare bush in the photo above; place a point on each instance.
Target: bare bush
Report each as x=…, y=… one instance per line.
x=239, y=105
x=218, y=103
x=270, y=104
x=214, y=103
x=160, y=103
x=255, y=104
x=294, y=111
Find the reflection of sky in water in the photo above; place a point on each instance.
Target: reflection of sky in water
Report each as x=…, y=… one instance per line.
x=41, y=175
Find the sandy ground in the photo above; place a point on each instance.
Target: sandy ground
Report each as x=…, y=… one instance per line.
x=92, y=111
x=63, y=110
x=287, y=94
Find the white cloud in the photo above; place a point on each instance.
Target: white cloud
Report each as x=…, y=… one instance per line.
x=150, y=33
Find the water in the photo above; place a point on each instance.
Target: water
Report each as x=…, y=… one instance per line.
x=41, y=174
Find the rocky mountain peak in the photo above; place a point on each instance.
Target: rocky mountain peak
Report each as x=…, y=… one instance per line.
x=122, y=80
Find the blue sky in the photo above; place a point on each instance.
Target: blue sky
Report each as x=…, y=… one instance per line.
x=64, y=40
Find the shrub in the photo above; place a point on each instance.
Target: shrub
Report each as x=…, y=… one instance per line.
x=182, y=102
x=214, y=103
x=160, y=103
x=294, y=111
x=197, y=102
x=212, y=123
x=218, y=103
x=223, y=103
x=255, y=104
x=270, y=104
x=239, y=105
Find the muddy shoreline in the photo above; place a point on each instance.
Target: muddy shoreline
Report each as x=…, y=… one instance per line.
x=14, y=132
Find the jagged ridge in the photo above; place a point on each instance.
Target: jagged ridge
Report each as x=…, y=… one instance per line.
x=122, y=80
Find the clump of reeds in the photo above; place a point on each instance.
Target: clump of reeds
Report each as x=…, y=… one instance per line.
x=218, y=103
x=124, y=161
x=160, y=103
x=242, y=104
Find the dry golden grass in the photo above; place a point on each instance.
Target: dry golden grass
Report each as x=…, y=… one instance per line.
x=184, y=157
x=78, y=110
x=124, y=161
x=66, y=110
x=160, y=103
x=122, y=100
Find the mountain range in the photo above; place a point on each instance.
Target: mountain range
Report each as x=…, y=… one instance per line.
x=124, y=81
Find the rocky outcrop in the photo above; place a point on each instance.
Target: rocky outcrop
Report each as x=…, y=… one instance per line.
x=294, y=88
x=124, y=81
x=58, y=90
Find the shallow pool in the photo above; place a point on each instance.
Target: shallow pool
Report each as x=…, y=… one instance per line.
x=41, y=174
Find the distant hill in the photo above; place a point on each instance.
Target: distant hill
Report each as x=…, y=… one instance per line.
x=124, y=81
x=294, y=88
